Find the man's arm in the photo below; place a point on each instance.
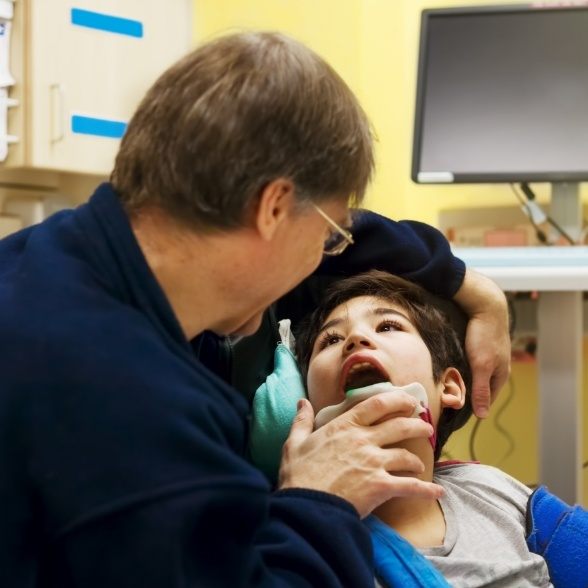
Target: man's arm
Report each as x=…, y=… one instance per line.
x=222, y=535
x=416, y=252
x=420, y=253
x=138, y=472
x=487, y=338
x=410, y=249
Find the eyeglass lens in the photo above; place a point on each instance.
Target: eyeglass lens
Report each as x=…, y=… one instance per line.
x=335, y=243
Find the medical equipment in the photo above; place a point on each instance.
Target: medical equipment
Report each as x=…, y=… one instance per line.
x=354, y=396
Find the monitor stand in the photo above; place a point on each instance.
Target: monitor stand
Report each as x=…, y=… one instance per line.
x=560, y=366
x=566, y=208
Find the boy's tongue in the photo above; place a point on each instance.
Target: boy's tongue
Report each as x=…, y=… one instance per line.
x=363, y=378
x=356, y=395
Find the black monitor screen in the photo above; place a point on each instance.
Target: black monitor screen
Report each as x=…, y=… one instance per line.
x=502, y=95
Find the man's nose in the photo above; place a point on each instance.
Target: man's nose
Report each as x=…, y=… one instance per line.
x=358, y=340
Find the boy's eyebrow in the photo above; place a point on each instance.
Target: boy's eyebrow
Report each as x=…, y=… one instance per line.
x=377, y=311
x=330, y=324
x=383, y=311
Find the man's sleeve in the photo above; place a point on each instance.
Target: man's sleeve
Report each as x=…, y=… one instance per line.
x=409, y=249
x=220, y=537
x=137, y=461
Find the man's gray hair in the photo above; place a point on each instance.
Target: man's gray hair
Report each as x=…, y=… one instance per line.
x=232, y=116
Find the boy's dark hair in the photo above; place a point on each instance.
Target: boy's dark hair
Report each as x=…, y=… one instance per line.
x=432, y=324
x=234, y=115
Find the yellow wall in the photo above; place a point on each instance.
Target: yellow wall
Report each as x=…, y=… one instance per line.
x=325, y=26
x=390, y=34
x=515, y=415
x=373, y=44
x=389, y=42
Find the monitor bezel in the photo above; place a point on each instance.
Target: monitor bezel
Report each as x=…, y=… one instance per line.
x=485, y=177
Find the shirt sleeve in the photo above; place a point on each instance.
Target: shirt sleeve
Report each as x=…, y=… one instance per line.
x=409, y=249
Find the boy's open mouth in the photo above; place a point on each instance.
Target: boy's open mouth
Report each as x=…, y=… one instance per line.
x=361, y=373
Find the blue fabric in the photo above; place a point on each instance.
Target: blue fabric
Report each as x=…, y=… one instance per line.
x=409, y=249
x=274, y=409
x=122, y=456
x=397, y=562
x=559, y=533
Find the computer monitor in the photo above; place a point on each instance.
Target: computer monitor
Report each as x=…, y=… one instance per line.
x=502, y=95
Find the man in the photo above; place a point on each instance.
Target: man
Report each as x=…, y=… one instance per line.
x=122, y=454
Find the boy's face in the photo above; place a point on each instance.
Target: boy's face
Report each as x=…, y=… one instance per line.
x=367, y=340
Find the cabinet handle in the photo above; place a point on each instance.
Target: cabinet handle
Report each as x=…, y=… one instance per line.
x=57, y=113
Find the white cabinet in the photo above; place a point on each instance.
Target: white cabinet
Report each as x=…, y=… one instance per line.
x=81, y=68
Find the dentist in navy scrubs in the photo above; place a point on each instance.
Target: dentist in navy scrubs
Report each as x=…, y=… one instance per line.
x=122, y=440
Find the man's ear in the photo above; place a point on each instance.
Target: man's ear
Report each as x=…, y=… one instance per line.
x=274, y=205
x=454, y=390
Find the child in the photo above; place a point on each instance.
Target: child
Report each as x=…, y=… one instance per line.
x=375, y=327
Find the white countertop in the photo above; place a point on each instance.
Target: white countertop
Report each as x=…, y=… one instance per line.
x=530, y=268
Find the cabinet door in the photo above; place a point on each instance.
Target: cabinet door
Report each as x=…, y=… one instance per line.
x=89, y=64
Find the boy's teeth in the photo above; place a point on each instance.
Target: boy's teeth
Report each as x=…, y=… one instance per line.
x=359, y=366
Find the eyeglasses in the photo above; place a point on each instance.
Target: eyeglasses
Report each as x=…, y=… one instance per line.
x=339, y=239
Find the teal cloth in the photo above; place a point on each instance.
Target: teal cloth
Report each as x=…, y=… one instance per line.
x=274, y=409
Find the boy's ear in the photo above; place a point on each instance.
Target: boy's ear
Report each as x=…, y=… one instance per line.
x=454, y=390
x=273, y=206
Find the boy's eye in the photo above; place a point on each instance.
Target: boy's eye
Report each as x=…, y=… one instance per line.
x=389, y=325
x=329, y=339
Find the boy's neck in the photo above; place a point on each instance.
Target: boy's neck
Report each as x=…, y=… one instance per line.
x=420, y=521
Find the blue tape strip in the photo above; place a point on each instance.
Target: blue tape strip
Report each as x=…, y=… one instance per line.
x=106, y=22
x=87, y=125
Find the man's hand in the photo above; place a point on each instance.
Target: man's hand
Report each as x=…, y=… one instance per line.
x=350, y=456
x=487, y=338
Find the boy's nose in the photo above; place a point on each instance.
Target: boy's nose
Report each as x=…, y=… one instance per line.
x=358, y=340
